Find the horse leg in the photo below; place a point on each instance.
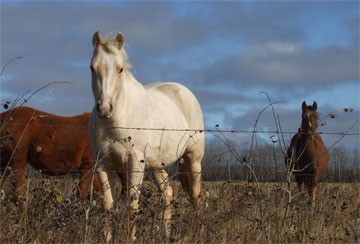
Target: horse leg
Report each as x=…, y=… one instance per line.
x=124, y=182
x=136, y=176
x=192, y=168
x=300, y=183
x=19, y=169
x=85, y=180
x=308, y=182
x=183, y=176
x=108, y=199
x=314, y=189
x=4, y=172
x=162, y=181
x=105, y=185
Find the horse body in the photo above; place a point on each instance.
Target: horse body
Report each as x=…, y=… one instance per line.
x=52, y=144
x=141, y=127
x=307, y=152
x=149, y=145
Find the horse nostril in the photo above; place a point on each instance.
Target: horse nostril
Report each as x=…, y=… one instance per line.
x=111, y=108
x=98, y=106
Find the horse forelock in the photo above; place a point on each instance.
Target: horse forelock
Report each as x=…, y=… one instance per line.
x=310, y=113
x=109, y=46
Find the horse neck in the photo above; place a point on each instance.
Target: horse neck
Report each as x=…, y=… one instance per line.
x=310, y=130
x=127, y=98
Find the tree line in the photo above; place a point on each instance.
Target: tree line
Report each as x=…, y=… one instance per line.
x=266, y=160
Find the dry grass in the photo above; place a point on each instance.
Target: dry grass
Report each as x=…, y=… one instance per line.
x=230, y=213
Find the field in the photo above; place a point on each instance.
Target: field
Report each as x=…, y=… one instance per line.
x=230, y=213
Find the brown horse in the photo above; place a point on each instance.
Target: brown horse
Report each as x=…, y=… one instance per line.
x=52, y=144
x=307, y=153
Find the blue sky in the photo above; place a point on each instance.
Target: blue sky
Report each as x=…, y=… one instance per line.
x=225, y=52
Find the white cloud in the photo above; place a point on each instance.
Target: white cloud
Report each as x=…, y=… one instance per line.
x=270, y=48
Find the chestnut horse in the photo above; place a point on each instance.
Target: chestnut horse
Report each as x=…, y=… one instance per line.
x=52, y=144
x=307, y=153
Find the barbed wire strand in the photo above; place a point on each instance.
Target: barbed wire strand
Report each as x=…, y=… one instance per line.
x=192, y=130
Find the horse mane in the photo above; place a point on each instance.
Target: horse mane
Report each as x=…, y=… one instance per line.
x=109, y=45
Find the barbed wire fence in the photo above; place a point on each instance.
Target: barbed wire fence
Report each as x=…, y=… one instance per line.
x=217, y=132
x=247, y=161
x=244, y=160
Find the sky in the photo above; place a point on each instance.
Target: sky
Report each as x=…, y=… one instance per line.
x=228, y=53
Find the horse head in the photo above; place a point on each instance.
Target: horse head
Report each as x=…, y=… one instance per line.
x=108, y=67
x=309, y=117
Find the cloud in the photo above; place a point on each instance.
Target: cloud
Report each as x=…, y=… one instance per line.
x=285, y=64
x=226, y=52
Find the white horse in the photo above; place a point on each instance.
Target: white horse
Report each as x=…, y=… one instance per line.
x=142, y=128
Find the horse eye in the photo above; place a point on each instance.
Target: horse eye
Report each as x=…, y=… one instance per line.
x=92, y=69
x=121, y=70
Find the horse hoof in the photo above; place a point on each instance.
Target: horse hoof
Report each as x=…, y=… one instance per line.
x=108, y=237
x=167, y=233
x=133, y=239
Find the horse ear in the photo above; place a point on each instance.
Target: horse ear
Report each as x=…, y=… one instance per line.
x=314, y=106
x=120, y=40
x=304, y=105
x=96, y=39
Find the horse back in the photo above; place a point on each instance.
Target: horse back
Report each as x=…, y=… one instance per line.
x=47, y=141
x=182, y=98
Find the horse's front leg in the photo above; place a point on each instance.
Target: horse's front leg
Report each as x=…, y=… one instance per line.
x=108, y=199
x=19, y=167
x=314, y=189
x=105, y=185
x=162, y=181
x=136, y=170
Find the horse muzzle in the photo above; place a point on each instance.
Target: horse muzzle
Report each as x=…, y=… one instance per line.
x=104, y=110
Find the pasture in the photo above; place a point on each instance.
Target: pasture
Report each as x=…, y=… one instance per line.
x=230, y=213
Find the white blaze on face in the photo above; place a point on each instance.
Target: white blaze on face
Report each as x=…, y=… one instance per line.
x=308, y=118
x=109, y=68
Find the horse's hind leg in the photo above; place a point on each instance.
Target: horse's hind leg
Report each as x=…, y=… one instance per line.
x=191, y=168
x=300, y=183
x=86, y=174
x=183, y=176
x=162, y=181
x=122, y=173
